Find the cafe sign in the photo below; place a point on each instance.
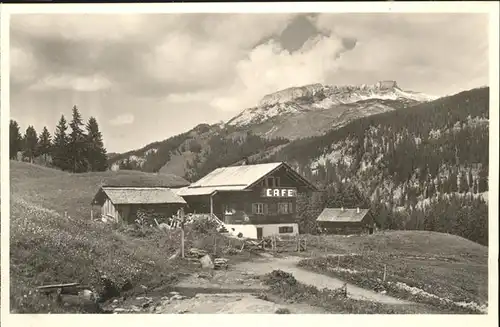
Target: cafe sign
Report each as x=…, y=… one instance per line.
x=279, y=192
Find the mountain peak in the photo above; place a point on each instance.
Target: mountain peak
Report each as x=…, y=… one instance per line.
x=290, y=94
x=299, y=100
x=386, y=85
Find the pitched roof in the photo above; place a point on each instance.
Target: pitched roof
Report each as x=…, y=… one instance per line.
x=140, y=179
x=342, y=215
x=140, y=195
x=238, y=176
x=187, y=191
x=235, y=178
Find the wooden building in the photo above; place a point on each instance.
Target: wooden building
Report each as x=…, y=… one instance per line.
x=346, y=221
x=120, y=204
x=254, y=200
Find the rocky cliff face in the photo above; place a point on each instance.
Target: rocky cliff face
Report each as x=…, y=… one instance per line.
x=290, y=94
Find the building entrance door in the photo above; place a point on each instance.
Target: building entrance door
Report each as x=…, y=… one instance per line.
x=259, y=233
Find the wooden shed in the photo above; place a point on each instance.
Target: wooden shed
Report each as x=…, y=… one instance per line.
x=346, y=221
x=121, y=204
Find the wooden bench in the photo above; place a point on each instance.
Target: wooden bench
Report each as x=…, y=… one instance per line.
x=59, y=289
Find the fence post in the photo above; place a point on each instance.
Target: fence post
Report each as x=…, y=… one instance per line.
x=182, y=242
x=215, y=245
x=385, y=272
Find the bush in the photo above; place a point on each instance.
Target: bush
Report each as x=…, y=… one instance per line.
x=204, y=226
x=282, y=311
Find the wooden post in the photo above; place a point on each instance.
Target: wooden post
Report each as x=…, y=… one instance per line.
x=211, y=206
x=180, y=215
x=182, y=242
x=91, y=213
x=215, y=245
x=385, y=272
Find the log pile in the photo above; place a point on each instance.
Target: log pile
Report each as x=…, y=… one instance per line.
x=220, y=263
x=196, y=253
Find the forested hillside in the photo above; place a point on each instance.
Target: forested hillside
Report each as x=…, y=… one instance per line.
x=423, y=167
x=198, y=151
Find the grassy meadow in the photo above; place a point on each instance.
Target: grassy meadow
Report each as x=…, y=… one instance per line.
x=46, y=247
x=444, y=265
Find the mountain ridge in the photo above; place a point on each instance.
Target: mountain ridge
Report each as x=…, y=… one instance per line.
x=314, y=109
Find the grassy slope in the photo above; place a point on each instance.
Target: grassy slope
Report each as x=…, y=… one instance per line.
x=47, y=248
x=445, y=265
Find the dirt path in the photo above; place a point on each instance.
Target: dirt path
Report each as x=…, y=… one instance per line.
x=289, y=265
x=236, y=291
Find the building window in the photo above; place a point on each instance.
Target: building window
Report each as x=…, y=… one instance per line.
x=285, y=229
x=258, y=208
x=285, y=207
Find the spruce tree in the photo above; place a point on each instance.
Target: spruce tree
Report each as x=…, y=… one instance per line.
x=45, y=144
x=30, y=144
x=77, y=143
x=464, y=186
x=470, y=180
x=483, y=180
x=15, y=139
x=453, y=182
x=96, y=153
x=60, y=155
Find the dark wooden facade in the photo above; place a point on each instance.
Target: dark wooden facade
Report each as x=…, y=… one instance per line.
x=253, y=206
x=365, y=226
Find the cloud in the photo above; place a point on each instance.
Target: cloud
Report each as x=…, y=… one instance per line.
x=148, y=55
x=71, y=82
x=97, y=27
x=123, y=119
x=23, y=65
x=270, y=68
x=434, y=53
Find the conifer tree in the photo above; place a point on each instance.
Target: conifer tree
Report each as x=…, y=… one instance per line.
x=60, y=155
x=464, y=186
x=30, y=143
x=483, y=180
x=44, y=144
x=470, y=180
x=453, y=182
x=77, y=143
x=15, y=139
x=95, y=151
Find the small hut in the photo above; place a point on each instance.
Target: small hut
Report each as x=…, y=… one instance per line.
x=346, y=221
x=121, y=204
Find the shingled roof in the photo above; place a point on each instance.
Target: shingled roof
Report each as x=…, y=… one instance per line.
x=237, y=178
x=138, y=195
x=342, y=215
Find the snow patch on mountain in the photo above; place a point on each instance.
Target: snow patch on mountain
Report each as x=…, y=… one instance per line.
x=296, y=100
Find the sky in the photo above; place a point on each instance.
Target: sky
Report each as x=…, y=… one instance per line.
x=146, y=77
